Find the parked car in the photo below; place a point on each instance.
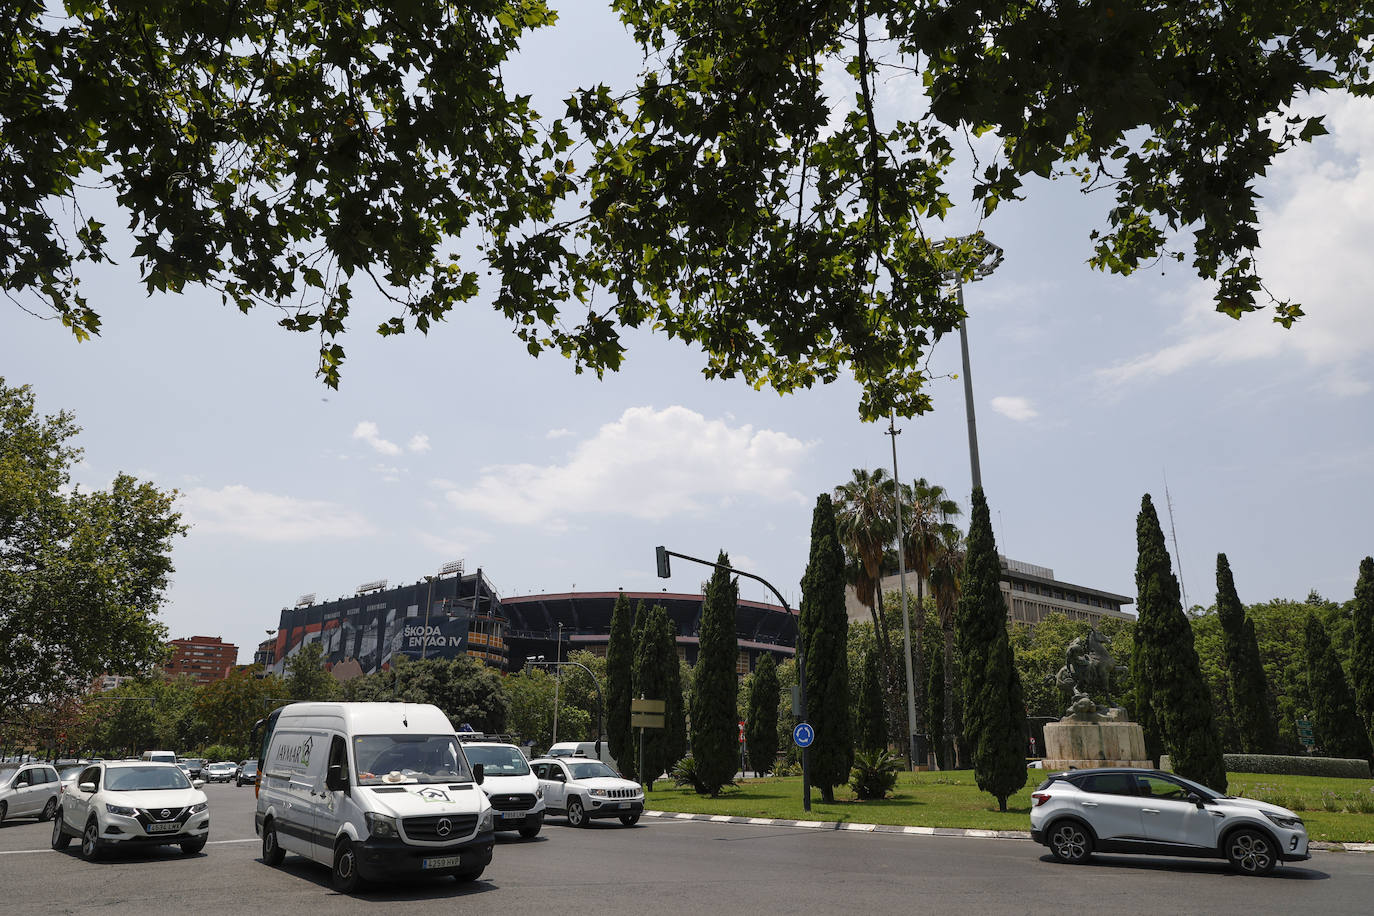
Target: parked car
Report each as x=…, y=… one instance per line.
x=582, y=788
x=219, y=772
x=1150, y=812
x=511, y=786
x=28, y=790
x=67, y=773
x=583, y=749
x=195, y=766
x=132, y=803
x=248, y=772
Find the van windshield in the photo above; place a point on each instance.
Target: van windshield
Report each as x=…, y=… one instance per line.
x=498, y=760
x=392, y=759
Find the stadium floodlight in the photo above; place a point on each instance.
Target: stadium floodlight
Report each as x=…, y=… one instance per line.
x=454, y=568
x=366, y=587
x=305, y=600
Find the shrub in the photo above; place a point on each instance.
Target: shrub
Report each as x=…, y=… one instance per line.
x=685, y=774
x=874, y=773
x=787, y=767
x=1278, y=765
x=1363, y=803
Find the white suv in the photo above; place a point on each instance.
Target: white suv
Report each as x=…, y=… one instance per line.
x=511, y=786
x=1149, y=812
x=132, y=803
x=585, y=788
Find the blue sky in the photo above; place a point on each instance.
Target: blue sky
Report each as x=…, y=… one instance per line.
x=1089, y=390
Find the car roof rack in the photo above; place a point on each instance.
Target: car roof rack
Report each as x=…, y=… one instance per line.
x=482, y=736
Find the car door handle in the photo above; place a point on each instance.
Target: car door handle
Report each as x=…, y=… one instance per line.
x=1090, y=804
x=1216, y=814
x=1149, y=810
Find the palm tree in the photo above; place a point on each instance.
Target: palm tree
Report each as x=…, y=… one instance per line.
x=864, y=519
x=926, y=510
x=946, y=569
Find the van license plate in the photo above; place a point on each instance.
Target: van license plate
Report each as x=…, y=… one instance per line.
x=163, y=828
x=512, y=815
x=442, y=862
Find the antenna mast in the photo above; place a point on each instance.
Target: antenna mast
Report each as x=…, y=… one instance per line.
x=1178, y=559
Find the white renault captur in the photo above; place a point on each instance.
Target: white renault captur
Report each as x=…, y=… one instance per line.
x=132, y=803
x=373, y=790
x=510, y=784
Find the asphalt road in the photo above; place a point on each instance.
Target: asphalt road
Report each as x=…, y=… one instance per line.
x=670, y=866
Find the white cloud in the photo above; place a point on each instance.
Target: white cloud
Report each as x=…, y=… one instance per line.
x=649, y=464
x=1015, y=408
x=418, y=443
x=1315, y=232
x=456, y=545
x=368, y=432
x=558, y=433
x=239, y=511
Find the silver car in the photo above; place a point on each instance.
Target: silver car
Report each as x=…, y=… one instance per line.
x=28, y=790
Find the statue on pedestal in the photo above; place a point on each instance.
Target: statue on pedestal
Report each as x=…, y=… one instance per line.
x=1088, y=671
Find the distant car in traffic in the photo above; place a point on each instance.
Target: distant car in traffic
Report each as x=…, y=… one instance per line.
x=248, y=772
x=28, y=790
x=1154, y=813
x=223, y=771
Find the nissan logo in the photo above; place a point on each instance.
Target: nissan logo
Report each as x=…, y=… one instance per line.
x=166, y=814
x=444, y=827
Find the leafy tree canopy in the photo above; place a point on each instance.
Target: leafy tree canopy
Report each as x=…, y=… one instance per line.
x=287, y=154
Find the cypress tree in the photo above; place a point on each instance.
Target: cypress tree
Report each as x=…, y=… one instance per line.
x=1362, y=659
x=871, y=718
x=629, y=764
x=655, y=671
x=715, y=695
x=1254, y=712
x=674, y=700
x=620, y=656
x=824, y=637
x=761, y=725
x=994, y=706
x=1168, y=674
x=1335, y=723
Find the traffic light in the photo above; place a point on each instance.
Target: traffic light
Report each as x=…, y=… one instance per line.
x=663, y=571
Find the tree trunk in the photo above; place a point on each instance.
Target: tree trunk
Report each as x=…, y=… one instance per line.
x=918, y=662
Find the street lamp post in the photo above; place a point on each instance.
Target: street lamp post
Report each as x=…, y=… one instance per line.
x=665, y=572
x=557, y=680
x=538, y=661
x=429, y=600
x=914, y=750
x=989, y=257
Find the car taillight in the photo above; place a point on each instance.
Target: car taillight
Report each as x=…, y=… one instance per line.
x=1040, y=798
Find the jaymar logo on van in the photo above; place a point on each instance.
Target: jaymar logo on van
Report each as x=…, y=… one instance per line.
x=298, y=754
x=433, y=795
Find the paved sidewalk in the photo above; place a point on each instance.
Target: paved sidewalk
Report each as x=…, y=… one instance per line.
x=915, y=831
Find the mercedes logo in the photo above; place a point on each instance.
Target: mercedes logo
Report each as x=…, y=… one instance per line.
x=444, y=827
x=166, y=814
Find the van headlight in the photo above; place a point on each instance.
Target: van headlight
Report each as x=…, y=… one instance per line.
x=486, y=822
x=1287, y=822
x=538, y=791
x=382, y=826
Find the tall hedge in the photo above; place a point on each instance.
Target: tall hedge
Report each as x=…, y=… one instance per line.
x=620, y=657
x=1335, y=724
x=824, y=641
x=761, y=723
x=871, y=712
x=1362, y=658
x=1168, y=672
x=1255, y=717
x=994, y=706
x=715, y=730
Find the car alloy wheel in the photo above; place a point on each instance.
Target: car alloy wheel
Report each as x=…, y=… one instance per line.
x=48, y=809
x=90, y=841
x=60, y=838
x=1069, y=842
x=1251, y=852
x=577, y=815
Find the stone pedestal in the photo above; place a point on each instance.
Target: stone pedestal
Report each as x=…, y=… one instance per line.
x=1107, y=740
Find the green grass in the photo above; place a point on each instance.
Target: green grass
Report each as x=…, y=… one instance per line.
x=952, y=799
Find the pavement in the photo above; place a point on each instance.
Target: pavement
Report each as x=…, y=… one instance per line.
x=916, y=831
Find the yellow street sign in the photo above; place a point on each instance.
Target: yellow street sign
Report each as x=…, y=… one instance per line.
x=647, y=706
x=646, y=720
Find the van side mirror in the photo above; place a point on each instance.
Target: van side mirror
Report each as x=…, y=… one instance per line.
x=336, y=778
x=479, y=773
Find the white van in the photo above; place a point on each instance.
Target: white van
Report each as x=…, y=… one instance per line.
x=584, y=749
x=160, y=756
x=373, y=790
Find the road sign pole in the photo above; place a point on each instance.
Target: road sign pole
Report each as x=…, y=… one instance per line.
x=642, y=775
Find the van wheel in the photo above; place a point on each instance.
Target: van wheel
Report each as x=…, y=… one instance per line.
x=463, y=877
x=48, y=809
x=577, y=815
x=90, y=841
x=345, y=873
x=272, y=853
x=530, y=833
x=60, y=838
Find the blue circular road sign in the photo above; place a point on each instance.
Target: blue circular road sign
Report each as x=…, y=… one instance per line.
x=803, y=734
